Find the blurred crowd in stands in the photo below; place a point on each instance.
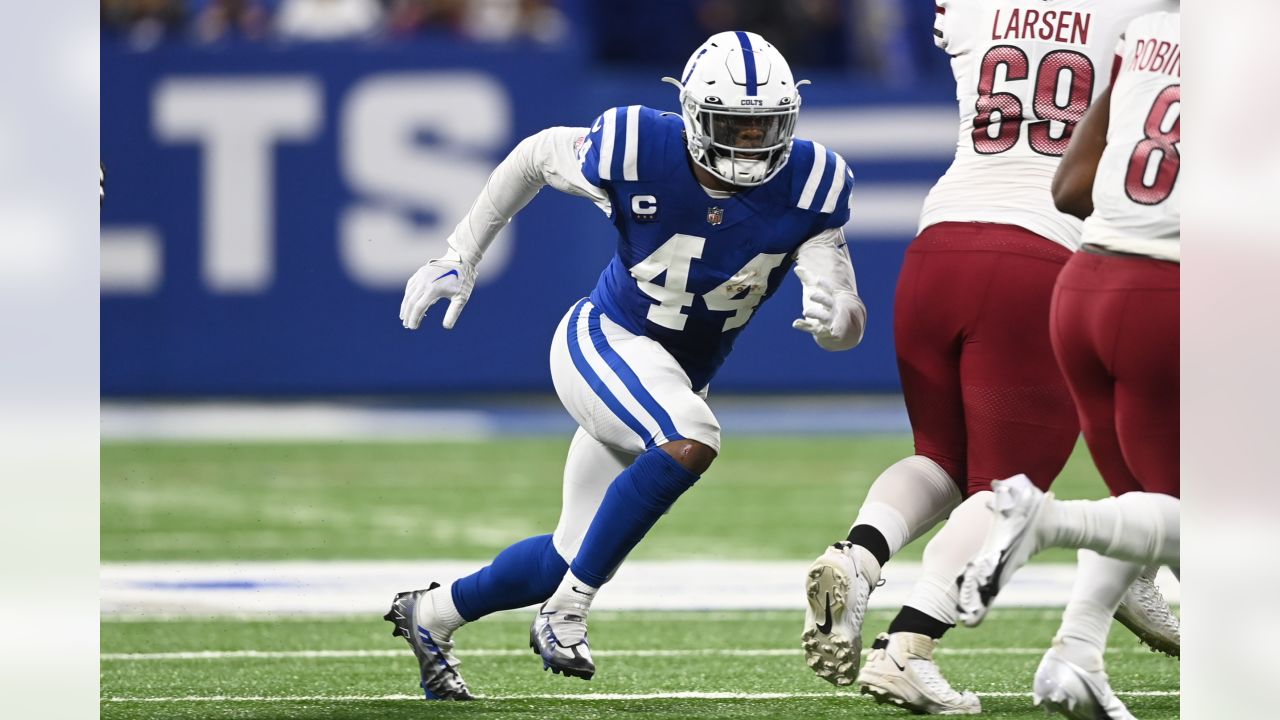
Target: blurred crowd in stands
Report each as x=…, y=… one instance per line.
x=147, y=22
x=890, y=39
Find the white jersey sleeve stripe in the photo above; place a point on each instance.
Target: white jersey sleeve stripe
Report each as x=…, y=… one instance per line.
x=837, y=184
x=631, y=152
x=606, y=143
x=815, y=176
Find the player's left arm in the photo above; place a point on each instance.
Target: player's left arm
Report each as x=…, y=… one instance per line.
x=833, y=313
x=1073, y=182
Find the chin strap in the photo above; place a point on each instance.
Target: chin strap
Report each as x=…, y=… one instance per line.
x=761, y=170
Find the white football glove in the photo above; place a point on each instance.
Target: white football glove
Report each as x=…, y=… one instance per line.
x=442, y=278
x=835, y=320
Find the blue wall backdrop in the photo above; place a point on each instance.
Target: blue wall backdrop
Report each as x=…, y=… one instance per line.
x=265, y=207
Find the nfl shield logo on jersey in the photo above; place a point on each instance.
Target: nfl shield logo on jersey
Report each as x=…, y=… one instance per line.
x=715, y=215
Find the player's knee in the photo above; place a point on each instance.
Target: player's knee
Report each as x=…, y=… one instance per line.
x=691, y=454
x=953, y=467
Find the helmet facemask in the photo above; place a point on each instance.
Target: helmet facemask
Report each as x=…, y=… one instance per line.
x=742, y=146
x=739, y=105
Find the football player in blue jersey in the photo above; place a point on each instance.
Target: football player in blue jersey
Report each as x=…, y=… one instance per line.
x=711, y=206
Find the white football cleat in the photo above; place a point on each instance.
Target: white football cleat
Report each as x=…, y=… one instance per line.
x=1063, y=687
x=1147, y=614
x=1017, y=505
x=900, y=671
x=559, y=637
x=837, y=587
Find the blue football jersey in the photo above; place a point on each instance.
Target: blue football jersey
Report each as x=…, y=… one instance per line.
x=690, y=269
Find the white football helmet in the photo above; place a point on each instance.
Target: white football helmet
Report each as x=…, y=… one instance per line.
x=739, y=104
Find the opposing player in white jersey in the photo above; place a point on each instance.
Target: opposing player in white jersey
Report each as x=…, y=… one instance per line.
x=712, y=206
x=1115, y=332
x=971, y=324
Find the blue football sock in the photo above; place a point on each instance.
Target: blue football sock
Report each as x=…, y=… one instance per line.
x=632, y=504
x=524, y=574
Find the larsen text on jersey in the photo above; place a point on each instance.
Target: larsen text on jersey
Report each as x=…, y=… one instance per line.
x=1064, y=26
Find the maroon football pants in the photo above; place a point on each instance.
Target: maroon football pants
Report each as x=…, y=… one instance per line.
x=1115, y=332
x=971, y=327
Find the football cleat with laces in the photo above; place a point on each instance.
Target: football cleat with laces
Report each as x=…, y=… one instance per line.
x=1147, y=614
x=838, y=585
x=559, y=637
x=1063, y=687
x=900, y=671
x=1018, y=505
x=412, y=614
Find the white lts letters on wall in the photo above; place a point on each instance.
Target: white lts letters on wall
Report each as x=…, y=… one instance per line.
x=403, y=151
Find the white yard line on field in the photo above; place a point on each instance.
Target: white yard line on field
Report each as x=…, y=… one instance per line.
x=510, y=652
x=521, y=616
x=584, y=696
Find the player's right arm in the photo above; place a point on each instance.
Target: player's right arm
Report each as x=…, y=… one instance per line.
x=546, y=158
x=1073, y=181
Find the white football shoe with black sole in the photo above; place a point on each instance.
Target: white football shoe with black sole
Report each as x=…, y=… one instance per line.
x=1147, y=614
x=411, y=613
x=837, y=587
x=1063, y=687
x=1018, y=505
x=559, y=637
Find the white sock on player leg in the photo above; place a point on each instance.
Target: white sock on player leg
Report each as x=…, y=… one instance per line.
x=1100, y=584
x=446, y=613
x=436, y=612
x=573, y=594
x=907, y=500
x=935, y=594
x=1138, y=527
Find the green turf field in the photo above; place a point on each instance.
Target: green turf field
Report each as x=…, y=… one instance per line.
x=730, y=653
x=780, y=498
x=765, y=498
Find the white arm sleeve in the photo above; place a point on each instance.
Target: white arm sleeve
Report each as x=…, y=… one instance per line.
x=547, y=158
x=825, y=258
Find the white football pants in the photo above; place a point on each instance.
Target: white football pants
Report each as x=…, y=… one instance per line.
x=628, y=394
